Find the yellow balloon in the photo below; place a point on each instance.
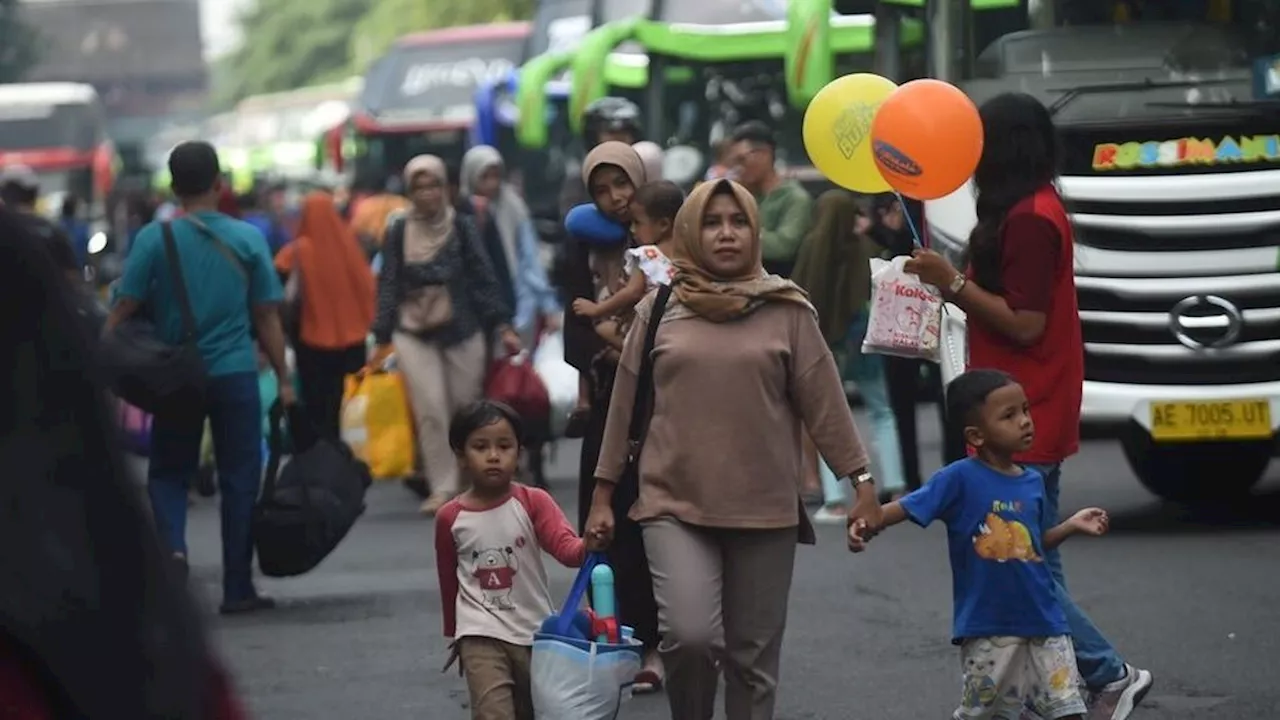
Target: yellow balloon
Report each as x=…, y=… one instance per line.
x=837, y=131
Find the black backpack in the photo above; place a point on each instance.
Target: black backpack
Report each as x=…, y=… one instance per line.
x=310, y=504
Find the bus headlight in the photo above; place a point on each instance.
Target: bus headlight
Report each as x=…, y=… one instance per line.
x=97, y=243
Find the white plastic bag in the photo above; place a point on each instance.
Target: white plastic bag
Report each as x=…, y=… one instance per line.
x=955, y=346
x=560, y=377
x=906, y=314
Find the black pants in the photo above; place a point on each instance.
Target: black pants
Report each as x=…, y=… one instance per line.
x=320, y=376
x=632, y=582
x=905, y=393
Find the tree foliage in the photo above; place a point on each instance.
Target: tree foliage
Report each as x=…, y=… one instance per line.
x=390, y=19
x=19, y=43
x=289, y=44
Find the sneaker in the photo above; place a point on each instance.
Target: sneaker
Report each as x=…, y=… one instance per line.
x=1117, y=700
x=828, y=515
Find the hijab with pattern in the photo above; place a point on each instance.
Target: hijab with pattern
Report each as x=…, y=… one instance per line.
x=424, y=236
x=706, y=295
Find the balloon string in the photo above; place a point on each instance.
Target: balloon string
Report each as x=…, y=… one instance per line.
x=915, y=234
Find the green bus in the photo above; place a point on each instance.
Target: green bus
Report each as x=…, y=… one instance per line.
x=627, y=73
x=709, y=78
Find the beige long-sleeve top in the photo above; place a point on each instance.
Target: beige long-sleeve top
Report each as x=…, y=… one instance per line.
x=723, y=447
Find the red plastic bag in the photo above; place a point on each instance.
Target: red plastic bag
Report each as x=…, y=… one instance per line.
x=512, y=380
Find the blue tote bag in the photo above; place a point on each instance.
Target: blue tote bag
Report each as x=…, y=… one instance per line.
x=573, y=676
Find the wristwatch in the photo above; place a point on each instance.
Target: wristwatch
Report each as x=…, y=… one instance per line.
x=860, y=478
x=957, y=284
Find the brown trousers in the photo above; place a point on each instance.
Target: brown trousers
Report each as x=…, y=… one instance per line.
x=497, y=675
x=440, y=380
x=722, y=595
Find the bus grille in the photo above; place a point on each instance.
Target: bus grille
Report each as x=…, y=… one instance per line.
x=1129, y=329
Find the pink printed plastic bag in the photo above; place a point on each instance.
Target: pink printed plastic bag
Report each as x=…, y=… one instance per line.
x=906, y=314
x=135, y=429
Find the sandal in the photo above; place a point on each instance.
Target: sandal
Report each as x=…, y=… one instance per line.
x=646, y=681
x=650, y=677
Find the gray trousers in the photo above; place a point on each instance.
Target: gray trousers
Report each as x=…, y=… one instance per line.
x=722, y=595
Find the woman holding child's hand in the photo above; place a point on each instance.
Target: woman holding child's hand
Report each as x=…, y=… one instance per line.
x=740, y=366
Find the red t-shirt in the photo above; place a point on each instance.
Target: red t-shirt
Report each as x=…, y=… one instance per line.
x=1037, y=270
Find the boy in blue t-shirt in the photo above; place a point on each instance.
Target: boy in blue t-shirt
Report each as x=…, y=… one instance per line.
x=1015, y=651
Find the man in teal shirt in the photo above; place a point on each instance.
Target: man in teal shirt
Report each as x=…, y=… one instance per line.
x=234, y=291
x=786, y=210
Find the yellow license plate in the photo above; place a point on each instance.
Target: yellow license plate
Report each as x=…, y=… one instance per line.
x=1178, y=421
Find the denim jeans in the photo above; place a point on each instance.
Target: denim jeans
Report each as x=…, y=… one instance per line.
x=867, y=372
x=1098, y=661
x=235, y=418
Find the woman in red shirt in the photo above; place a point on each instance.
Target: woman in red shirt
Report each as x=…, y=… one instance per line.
x=1018, y=291
x=94, y=620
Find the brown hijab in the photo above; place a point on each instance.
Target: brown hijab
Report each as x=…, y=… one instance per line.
x=618, y=154
x=424, y=236
x=719, y=299
x=606, y=262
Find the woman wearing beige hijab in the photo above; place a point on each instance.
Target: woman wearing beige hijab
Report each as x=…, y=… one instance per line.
x=739, y=366
x=591, y=269
x=438, y=301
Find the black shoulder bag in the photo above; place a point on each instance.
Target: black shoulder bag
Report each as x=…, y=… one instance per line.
x=628, y=488
x=147, y=372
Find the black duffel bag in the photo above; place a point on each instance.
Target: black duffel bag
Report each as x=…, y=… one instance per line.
x=310, y=504
x=147, y=372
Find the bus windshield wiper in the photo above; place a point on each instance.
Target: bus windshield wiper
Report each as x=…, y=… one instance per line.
x=1269, y=104
x=1071, y=93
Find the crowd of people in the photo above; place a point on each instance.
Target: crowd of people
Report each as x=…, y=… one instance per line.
x=713, y=334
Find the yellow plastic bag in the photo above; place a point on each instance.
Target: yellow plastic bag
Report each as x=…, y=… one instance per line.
x=376, y=423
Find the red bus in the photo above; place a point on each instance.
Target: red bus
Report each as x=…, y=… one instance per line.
x=420, y=98
x=59, y=131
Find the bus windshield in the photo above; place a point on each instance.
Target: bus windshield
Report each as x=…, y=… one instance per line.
x=1127, y=60
x=384, y=155
x=558, y=26
x=728, y=94
x=702, y=12
x=437, y=81
x=34, y=127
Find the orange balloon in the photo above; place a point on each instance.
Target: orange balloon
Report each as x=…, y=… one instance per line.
x=927, y=138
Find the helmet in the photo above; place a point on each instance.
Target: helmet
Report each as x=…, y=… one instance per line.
x=611, y=114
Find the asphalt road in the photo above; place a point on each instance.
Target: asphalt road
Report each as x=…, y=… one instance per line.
x=1189, y=595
